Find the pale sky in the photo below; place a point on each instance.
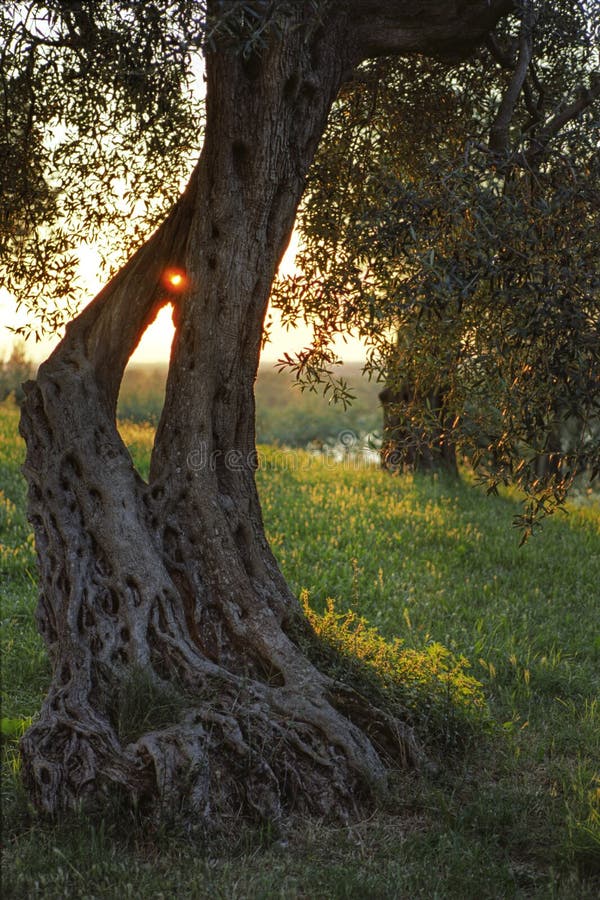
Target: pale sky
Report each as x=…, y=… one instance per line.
x=156, y=342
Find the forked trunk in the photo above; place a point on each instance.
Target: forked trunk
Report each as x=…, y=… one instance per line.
x=169, y=589
x=162, y=600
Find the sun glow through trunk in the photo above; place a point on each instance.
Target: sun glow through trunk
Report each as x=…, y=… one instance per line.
x=175, y=280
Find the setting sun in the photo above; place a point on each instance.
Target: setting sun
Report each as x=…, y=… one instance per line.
x=156, y=342
x=175, y=279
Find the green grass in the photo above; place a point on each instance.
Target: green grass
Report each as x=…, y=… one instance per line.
x=426, y=562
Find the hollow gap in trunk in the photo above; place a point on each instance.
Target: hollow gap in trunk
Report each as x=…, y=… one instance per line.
x=142, y=392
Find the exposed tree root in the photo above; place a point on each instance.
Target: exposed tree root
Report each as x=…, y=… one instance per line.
x=242, y=748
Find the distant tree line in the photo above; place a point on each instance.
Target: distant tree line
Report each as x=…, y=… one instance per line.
x=14, y=371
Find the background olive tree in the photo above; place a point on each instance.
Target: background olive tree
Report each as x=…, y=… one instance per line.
x=460, y=244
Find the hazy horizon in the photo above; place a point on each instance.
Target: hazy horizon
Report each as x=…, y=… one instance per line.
x=155, y=344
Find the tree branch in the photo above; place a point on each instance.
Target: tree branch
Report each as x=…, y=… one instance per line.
x=585, y=98
x=501, y=125
x=533, y=108
x=435, y=27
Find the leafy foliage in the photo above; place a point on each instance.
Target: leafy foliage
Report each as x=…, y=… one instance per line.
x=102, y=122
x=99, y=127
x=451, y=218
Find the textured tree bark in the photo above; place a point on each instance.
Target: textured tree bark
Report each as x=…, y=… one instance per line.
x=171, y=584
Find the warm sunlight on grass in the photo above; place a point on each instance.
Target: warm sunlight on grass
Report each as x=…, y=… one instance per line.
x=430, y=684
x=513, y=808
x=139, y=438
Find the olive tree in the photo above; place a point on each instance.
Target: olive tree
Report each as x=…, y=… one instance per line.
x=460, y=245
x=173, y=578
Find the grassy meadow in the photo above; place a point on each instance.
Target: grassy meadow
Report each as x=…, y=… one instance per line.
x=511, y=807
x=285, y=415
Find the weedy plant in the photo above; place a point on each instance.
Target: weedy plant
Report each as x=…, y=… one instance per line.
x=429, y=687
x=144, y=705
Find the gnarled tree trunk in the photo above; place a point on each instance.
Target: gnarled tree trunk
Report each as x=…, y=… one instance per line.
x=171, y=584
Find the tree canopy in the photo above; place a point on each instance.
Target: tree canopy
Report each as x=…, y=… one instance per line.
x=461, y=243
x=100, y=126
x=102, y=123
